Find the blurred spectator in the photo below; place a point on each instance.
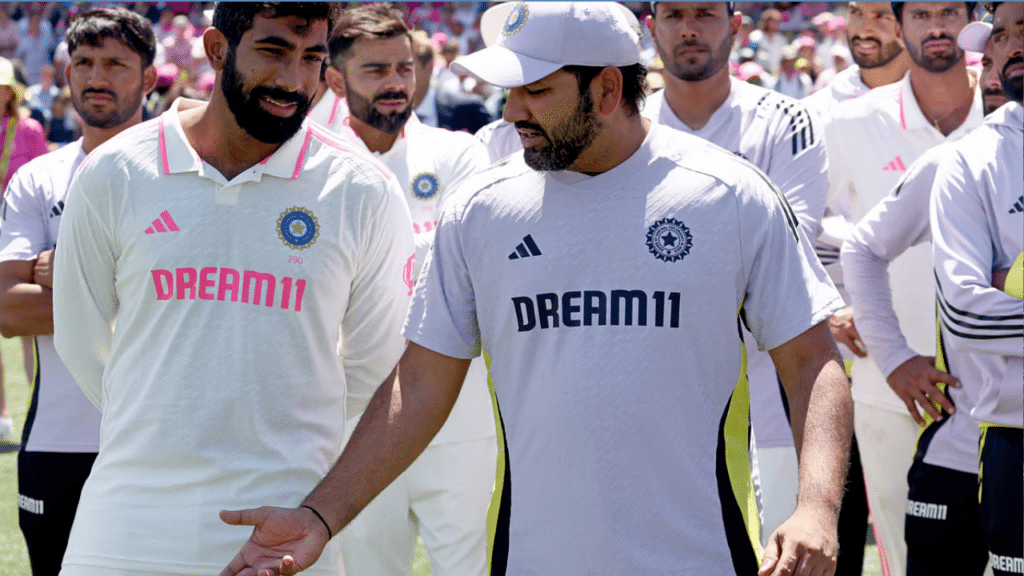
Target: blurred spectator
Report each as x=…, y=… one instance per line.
x=179, y=45
x=424, y=100
x=753, y=73
x=63, y=125
x=8, y=32
x=148, y=10
x=41, y=95
x=35, y=42
x=840, y=60
x=426, y=16
x=457, y=108
x=767, y=41
x=807, y=57
x=791, y=81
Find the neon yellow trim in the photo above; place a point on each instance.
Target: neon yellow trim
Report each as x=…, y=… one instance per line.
x=499, y=473
x=1014, y=285
x=848, y=368
x=737, y=455
x=981, y=446
x=940, y=364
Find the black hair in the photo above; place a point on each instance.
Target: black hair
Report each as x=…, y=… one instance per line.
x=91, y=28
x=634, y=83
x=897, y=10
x=367, y=22
x=234, y=19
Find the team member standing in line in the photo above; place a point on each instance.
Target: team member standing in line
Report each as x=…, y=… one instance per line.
x=444, y=495
x=776, y=134
x=222, y=274
x=977, y=220
x=871, y=142
x=942, y=507
x=111, y=70
x=613, y=335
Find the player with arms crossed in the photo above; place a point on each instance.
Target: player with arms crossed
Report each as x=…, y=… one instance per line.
x=222, y=274
x=618, y=372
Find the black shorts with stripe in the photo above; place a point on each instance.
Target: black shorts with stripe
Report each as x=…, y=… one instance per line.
x=1001, y=495
x=49, y=486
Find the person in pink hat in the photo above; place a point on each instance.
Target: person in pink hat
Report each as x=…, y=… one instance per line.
x=603, y=272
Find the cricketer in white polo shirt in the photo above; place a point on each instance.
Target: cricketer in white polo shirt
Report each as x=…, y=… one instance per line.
x=872, y=140
x=216, y=322
x=443, y=497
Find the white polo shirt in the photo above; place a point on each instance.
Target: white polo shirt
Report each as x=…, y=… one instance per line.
x=428, y=164
x=776, y=134
x=872, y=140
x=894, y=225
x=61, y=418
x=977, y=219
x=218, y=324
x=608, y=306
x=844, y=86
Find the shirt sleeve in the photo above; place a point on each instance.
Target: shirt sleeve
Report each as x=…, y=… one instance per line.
x=23, y=234
x=976, y=316
x=85, y=300
x=799, y=166
x=895, y=224
x=787, y=289
x=371, y=328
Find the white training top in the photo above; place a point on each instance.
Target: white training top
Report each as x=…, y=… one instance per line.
x=871, y=142
x=844, y=86
x=217, y=325
x=608, y=306
x=977, y=218
x=776, y=134
x=501, y=138
x=60, y=418
x=894, y=225
x=428, y=163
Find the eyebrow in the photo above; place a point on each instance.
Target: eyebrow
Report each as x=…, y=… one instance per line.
x=384, y=64
x=278, y=41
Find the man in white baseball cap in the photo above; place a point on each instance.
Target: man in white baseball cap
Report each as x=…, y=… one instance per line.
x=603, y=271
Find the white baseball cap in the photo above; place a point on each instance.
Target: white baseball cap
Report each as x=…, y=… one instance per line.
x=974, y=36
x=526, y=41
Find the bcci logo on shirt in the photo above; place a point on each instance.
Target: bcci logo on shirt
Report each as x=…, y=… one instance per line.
x=669, y=240
x=297, y=228
x=516, y=18
x=424, y=186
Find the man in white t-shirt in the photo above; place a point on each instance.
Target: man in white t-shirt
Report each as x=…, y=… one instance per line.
x=223, y=274
x=61, y=435
x=444, y=495
x=775, y=133
x=604, y=272
x=977, y=221
x=872, y=140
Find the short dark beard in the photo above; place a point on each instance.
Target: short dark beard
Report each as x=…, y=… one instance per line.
x=366, y=112
x=567, y=140
x=256, y=122
x=719, y=59
x=939, y=64
x=122, y=112
x=886, y=53
x=1014, y=87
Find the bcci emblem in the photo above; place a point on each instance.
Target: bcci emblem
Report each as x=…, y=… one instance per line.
x=297, y=228
x=424, y=186
x=516, y=18
x=669, y=240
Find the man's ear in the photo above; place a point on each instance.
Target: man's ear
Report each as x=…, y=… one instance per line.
x=335, y=81
x=149, y=79
x=609, y=89
x=216, y=45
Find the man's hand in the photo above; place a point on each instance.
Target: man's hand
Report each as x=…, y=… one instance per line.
x=42, y=271
x=284, y=541
x=914, y=382
x=845, y=332
x=806, y=544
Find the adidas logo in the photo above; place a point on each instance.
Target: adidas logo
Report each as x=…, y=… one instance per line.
x=1018, y=207
x=163, y=224
x=525, y=249
x=895, y=165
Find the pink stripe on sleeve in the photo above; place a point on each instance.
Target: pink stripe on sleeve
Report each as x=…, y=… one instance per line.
x=903, y=116
x=302, y=155
x=163, y=148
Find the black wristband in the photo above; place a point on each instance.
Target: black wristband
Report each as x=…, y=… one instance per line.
x=327, y=526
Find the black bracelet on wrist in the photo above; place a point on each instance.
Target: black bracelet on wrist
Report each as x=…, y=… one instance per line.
x=327, y=526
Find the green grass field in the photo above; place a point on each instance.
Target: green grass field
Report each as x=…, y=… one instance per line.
x=14, y=558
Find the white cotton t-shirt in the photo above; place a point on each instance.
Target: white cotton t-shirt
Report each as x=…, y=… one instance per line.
x=501, y=138
x=218, y=324
x=977, y=219
x=845, y=85
x=428, y=164
x=61, y=419
x=608, y=306
x=872, y=140
x=776, y=134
